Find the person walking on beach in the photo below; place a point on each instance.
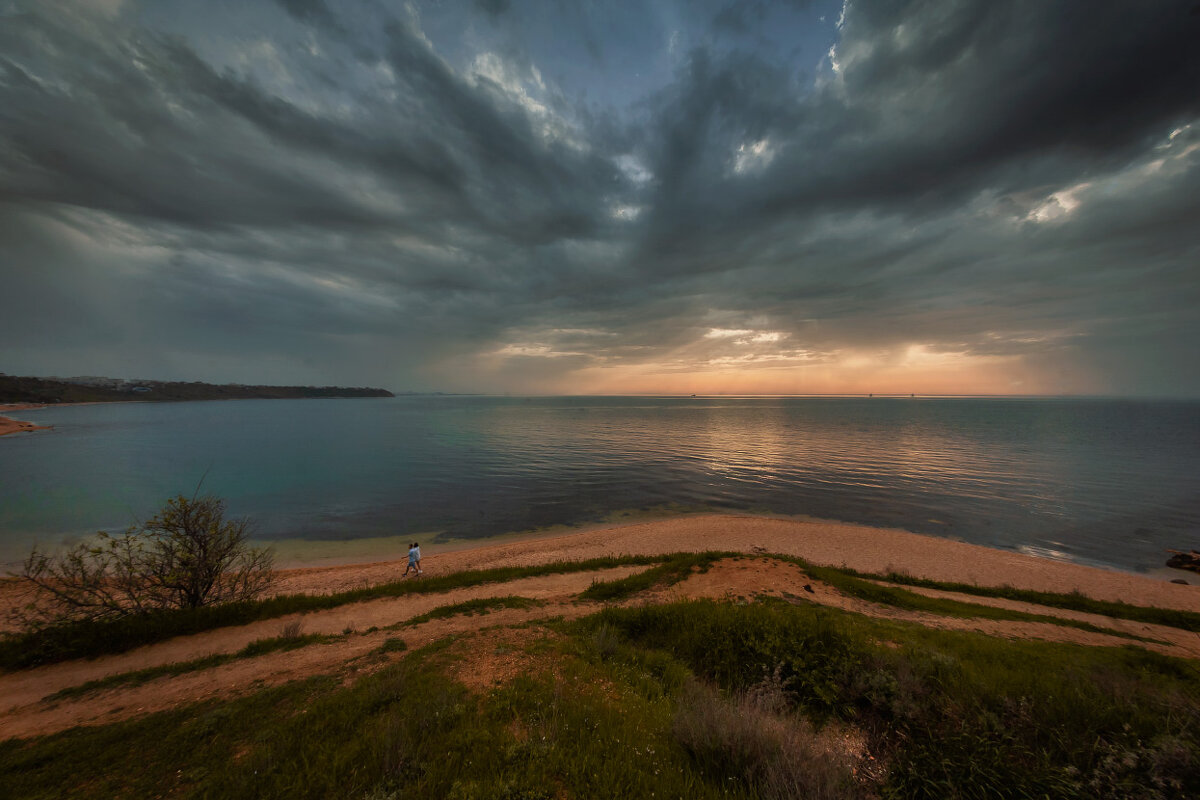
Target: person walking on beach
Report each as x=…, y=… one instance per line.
x=414, y=559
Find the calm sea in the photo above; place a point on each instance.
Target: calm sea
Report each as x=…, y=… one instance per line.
x=1095, y=481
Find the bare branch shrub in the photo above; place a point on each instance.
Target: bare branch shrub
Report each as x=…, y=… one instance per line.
x=187, y=556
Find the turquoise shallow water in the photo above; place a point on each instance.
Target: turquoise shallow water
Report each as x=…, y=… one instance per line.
x=1097, y=481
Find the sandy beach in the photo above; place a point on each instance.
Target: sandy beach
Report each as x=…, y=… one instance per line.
x=9, y=425
x=826, y=543
x=859, y=547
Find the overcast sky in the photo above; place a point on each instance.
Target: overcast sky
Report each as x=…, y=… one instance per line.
x=936, y=196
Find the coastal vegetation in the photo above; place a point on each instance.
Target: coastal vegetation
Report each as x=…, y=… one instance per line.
x=688, y=699
x=30, y=647
x=672, y=570
x=639, y=687
x=14, y=389
x=89, y=639
x=286, y=641
x=188, y=556
x=1071, y=601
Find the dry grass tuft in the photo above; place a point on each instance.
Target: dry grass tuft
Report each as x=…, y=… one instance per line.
x=752, y=736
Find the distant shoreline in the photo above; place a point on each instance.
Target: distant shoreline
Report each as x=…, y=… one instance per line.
x=54, y=391
x=9, y=425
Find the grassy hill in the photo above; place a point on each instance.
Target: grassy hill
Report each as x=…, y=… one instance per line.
x=626, y=690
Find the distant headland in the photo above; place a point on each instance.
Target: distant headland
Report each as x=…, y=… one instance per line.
x=47, y=391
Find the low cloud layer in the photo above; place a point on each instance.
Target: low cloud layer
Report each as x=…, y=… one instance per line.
x=929, y=196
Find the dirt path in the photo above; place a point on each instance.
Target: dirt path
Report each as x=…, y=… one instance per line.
x=1182, y=643
x=350, y=655
x=25, y=712
x=21, y=692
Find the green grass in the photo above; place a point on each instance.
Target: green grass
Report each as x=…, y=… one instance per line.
x=393, y=644
x=138, y=677
x=611, y=709
x=88, y=640
x=406, y=732
x=959, y=714
x=480, y=605
x=1075, y=601
x=856, y=585
x=676, y=568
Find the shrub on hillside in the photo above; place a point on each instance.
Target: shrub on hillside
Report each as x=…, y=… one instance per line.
x=187, y=556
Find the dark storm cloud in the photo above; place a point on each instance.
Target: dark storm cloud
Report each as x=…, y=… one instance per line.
x=142, y=128
x=934, y=102
x=366, y=196
x=493, y=8
x=150, y=129
x=933, y=105
x=311, y=11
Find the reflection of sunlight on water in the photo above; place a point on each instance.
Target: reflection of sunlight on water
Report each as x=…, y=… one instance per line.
x=1060, y=479
x=1046, y=552
x=732, y=447
x=775, y=445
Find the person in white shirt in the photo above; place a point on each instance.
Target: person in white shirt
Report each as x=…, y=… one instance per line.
x=414, y=559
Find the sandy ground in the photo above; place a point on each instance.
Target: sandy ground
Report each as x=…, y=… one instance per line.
x=8, y=425
x=25, y=709
x=867, y=549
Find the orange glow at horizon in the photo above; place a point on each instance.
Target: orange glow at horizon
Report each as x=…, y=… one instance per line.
x=914, y=370
x=825, y=379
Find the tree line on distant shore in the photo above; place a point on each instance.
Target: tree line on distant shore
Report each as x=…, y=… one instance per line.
x=15, y=389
